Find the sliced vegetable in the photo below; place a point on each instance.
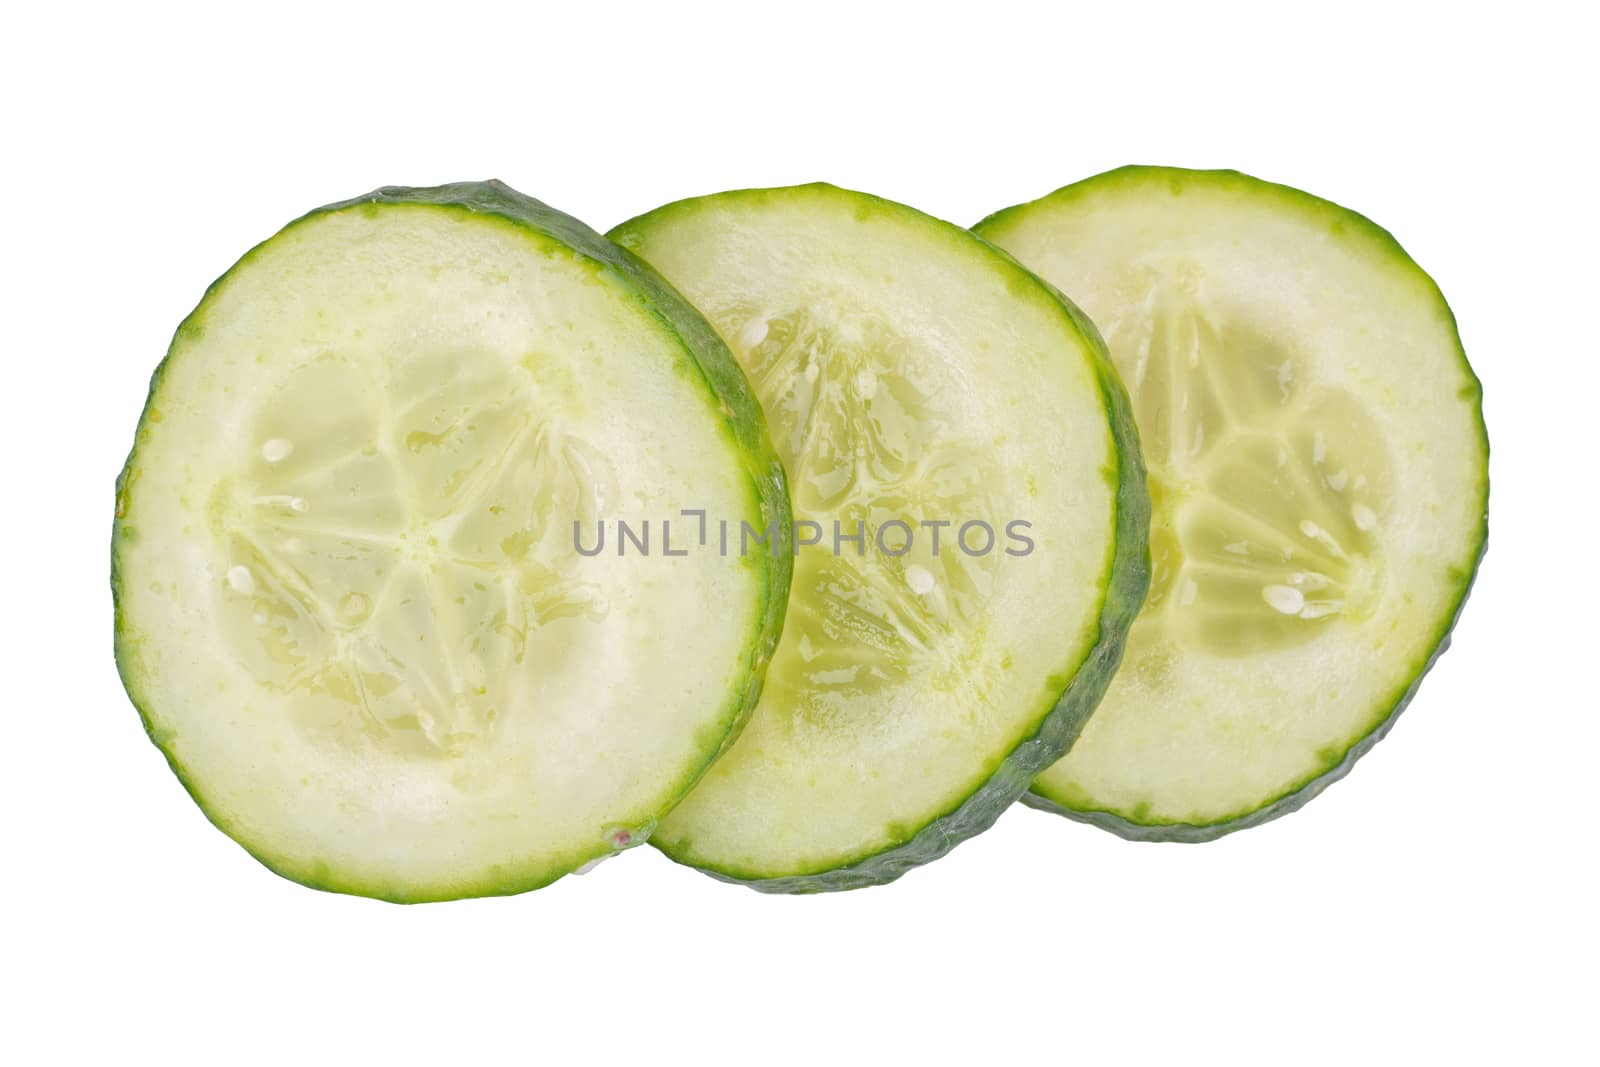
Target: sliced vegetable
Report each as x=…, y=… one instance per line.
x=1319, y=469
x=350, y=605
x=913, y=376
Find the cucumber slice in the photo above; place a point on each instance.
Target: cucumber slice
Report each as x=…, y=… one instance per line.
x=348, y=604
x=911, y=374
x=1319, y=467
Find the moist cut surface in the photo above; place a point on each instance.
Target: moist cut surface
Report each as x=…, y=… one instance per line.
x=349, y=601
x=1318, y=474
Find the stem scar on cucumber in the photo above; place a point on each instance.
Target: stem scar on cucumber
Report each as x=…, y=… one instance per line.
x=348, y=606
x=1319, y=470
x=912, y=375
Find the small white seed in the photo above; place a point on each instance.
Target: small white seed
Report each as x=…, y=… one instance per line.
x=754, y=332
x=920, y=579
x=1283, y=598
x=240, y=580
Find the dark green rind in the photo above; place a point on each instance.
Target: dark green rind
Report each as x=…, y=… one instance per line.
x=1296, y=796
x=1127, y=582
x=702, y=351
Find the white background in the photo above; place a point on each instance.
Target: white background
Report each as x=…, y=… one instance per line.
x=1437, y=906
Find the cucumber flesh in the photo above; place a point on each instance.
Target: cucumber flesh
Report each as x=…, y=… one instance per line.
x=1319, y=471
x=910, y=374
x=348, y=601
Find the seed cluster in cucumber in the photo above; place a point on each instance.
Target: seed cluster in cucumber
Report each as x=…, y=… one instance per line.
x=794, y=531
